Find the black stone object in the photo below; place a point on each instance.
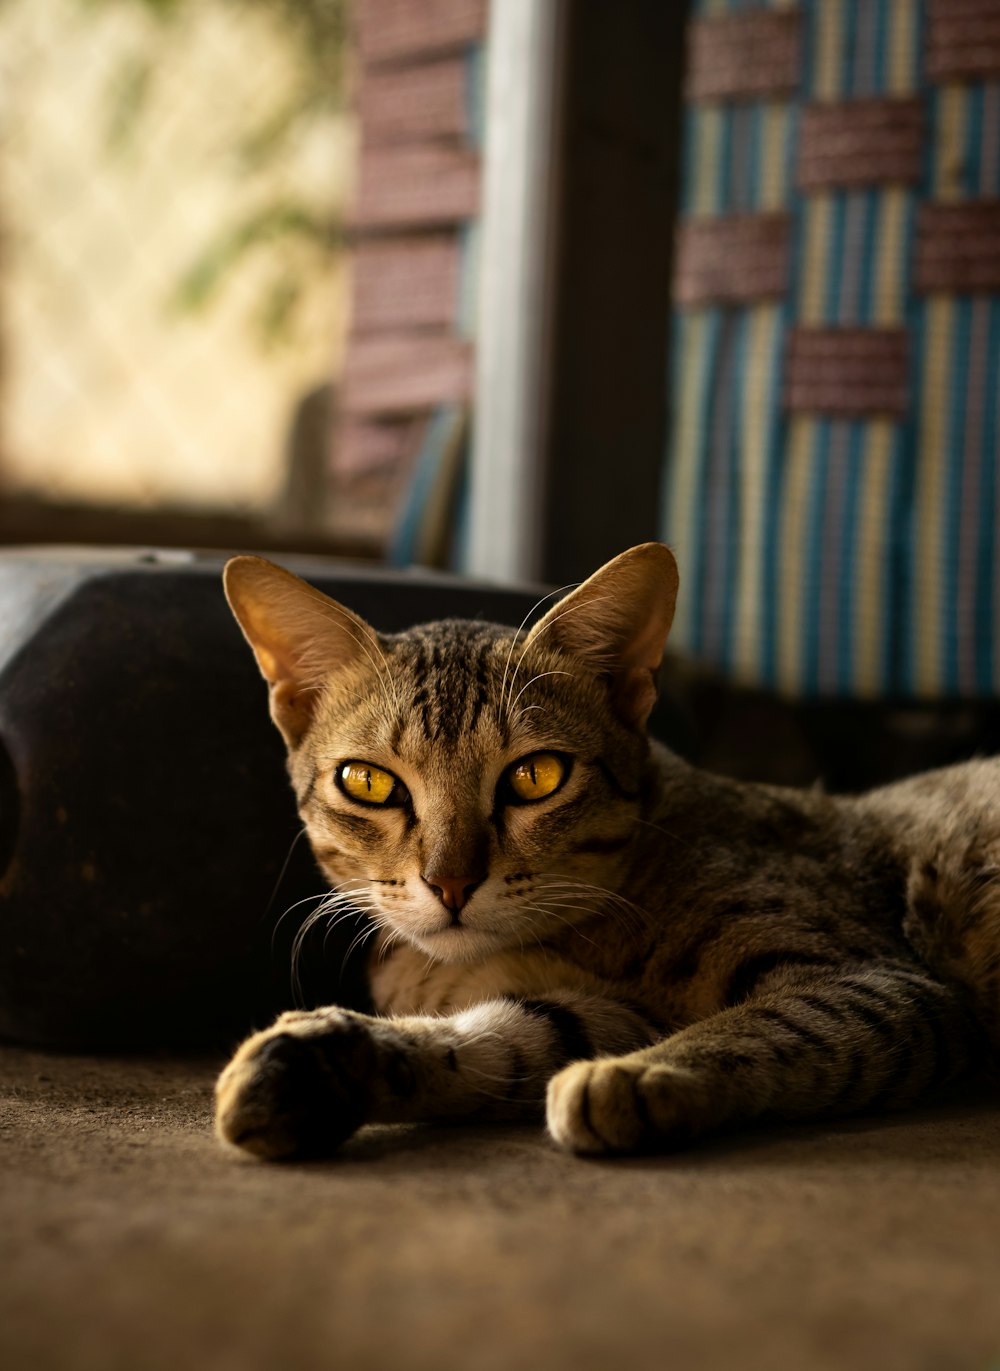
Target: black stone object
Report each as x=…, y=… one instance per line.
x=147, y=828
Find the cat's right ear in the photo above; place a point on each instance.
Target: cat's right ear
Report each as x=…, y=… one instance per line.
x=298, y=635
x=617, y=623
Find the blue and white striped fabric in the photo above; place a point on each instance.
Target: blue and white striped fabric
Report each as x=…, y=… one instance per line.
x=838, y=553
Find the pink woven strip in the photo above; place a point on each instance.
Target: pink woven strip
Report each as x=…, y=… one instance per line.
x=958, y=247
x=962, y=39
x=846, y=371
x=860, y=143
x=413, y=102
x=734, y=258
x=739, y=56
x=405, y=282
x=364, y=446
x=404, y=373
x=391, y=30
x=414, y=186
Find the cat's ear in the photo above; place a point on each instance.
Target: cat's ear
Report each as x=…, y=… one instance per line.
x=617, y=623
x=298, y=635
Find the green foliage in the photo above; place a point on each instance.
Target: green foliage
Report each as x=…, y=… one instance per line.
x=293, y=234
x=320, y=26
x=281, y=224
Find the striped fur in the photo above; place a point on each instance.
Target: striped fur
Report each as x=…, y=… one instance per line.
x=650, y=952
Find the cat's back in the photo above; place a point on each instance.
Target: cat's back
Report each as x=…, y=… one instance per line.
x=715, y=825
x=965, y=796
x=945, y=826
x=748, y=876
x=719, y=833
x=742, y=878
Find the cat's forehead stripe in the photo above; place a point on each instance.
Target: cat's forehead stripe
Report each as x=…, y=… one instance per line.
x=449, y=673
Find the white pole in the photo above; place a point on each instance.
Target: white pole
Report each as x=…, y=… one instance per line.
x=520, y=169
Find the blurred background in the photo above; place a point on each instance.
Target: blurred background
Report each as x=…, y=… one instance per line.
x=240, y=267
x=504, y=286
x=175, y=176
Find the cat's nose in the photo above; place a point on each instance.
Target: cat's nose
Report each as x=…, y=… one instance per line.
x=452, y=891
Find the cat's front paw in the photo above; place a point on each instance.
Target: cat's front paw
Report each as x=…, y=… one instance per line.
x=622, y=1104
x=299, y=1088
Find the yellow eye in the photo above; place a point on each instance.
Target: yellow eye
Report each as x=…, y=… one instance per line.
x=534, y=777
x=369, y=784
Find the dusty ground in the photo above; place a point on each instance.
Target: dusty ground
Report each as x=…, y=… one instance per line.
x=129, y=1239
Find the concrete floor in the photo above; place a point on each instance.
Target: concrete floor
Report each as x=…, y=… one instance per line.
x=129, y=1239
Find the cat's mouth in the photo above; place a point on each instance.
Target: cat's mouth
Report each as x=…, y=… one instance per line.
x=455, y=941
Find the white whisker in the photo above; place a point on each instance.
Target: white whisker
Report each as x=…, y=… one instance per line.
x=520, y=630
x=538, y=677
x=348, y=622
x=647, y=823
x=597, y=599
x=281, y=874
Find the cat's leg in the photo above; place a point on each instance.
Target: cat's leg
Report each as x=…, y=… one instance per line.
x=953, y=915
x=805, y=1046
x=304, y=1085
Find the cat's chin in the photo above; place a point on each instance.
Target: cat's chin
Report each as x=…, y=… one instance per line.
x=458, y=944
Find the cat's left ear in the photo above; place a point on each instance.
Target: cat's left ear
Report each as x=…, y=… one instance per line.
x=617, y=623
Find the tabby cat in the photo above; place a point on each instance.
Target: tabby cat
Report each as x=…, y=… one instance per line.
x=566, y=915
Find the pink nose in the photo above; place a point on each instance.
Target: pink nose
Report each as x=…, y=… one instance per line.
x=452, y=891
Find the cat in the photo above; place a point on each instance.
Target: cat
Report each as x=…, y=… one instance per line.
x=568, y=916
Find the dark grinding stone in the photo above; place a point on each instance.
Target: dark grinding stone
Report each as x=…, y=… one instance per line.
x=145, y=814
